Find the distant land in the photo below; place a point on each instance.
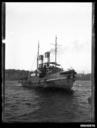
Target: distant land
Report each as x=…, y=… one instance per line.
x=13, y=74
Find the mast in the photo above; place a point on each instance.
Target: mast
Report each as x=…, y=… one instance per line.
x=56, y=49
x=38, y=55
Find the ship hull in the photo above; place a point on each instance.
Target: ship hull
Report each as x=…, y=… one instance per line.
x=60, y=83
x=55, y=80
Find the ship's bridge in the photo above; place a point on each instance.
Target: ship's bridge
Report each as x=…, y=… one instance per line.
x=51, y=63
x=49, y=68
x=53, y=66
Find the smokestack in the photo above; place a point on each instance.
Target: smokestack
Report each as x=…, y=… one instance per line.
x=47, y=55
x=40, y=61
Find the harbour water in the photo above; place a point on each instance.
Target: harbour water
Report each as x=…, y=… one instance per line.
x=39, y=105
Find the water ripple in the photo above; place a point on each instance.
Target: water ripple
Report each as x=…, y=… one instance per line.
x=39, y=105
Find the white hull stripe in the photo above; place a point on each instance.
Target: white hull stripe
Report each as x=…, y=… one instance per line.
x=56, y=79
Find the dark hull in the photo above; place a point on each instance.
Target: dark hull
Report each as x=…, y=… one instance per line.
x=55, y=80
x=60, y=83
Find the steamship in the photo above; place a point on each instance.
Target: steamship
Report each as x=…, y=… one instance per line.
x=50, y=74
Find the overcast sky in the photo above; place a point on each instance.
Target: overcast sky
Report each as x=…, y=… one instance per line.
x=28, y=23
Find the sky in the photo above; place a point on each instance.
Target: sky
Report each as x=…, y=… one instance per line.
x=30, y=23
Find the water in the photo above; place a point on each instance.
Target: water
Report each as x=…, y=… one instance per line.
x=39, y=105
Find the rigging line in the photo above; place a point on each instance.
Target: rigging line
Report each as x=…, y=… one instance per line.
x=56, y=49
x=34, y=63
x=38, y=56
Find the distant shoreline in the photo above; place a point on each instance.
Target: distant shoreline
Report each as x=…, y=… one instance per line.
x=13, y=74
